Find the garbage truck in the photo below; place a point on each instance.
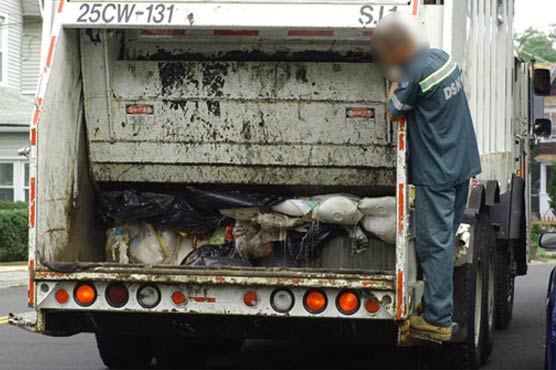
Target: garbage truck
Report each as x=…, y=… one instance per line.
x=208, y=109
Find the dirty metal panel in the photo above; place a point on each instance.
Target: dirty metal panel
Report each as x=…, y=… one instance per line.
x=221, y=300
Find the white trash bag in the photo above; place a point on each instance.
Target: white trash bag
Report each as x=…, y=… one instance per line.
x=339, y=210
x=380, y=217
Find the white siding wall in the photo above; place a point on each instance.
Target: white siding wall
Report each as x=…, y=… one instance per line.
x=31, y=50
x=11, y=9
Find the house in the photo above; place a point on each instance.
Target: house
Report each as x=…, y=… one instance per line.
x=20, y=46
x=545, y=156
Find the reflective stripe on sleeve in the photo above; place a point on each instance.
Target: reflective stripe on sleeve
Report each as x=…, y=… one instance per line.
x=399, y=105
x=437, y=77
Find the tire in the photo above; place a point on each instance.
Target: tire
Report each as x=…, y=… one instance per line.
x=125, y=351
x=471, y=304
x=505, y=281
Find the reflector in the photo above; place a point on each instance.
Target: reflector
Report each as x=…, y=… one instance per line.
x=315, y=301
x=61, y=296
x=372, y=305
x=250, y=299
x=85, y=294
x=178, y=298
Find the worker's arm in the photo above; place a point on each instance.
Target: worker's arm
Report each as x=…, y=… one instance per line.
x=402, y=98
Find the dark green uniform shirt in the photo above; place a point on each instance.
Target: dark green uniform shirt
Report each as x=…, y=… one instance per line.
x=443, y=148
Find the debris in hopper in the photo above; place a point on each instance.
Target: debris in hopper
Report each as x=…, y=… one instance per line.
x=130, y=205
x=214, y=256
x=339, y=210
x=380, y=217
x=183, y=215
x=216, y=200
x=241, y=214
x=295, y=207
x=117, y=244
x=303, y=243
x=145, y=247
x=277, y=221
x=359, y=241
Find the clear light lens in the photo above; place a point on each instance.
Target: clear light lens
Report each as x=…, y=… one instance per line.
x=148, y=296
x=282, y=300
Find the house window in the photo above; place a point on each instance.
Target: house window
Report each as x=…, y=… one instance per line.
x=14, y=180
x=3, y=46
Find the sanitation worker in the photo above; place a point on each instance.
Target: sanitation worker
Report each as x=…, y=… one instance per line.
x=427, y=91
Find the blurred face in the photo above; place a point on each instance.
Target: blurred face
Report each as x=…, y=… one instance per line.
x=395, y=55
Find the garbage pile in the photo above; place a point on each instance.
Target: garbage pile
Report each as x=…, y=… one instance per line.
x=234, y=228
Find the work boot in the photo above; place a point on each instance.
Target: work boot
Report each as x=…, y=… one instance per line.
x=420, y=326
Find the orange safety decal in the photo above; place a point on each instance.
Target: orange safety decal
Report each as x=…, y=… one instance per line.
x=32, y=189
x=50, y=52
x=32, y=215
x=33, y=136
x=203, y=299
x=310, y=33
x=31, y=288
x=400, y=295
x=61, y=6
x=36, y=115
x=401, y=207
x=236, y=33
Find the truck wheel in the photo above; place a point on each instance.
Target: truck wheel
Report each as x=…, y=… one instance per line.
x=125, y=351
x=470, y=304
x=504, y=286
x=489, y=292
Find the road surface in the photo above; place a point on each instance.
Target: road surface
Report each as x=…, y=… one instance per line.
x=519, y=347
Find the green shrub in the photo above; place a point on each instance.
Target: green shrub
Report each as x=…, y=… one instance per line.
x=13, y=205
x=13, y=234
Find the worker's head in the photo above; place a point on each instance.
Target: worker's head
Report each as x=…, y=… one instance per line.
x=397, y=39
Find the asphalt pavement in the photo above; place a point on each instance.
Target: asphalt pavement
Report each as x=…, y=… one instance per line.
x=521, y=346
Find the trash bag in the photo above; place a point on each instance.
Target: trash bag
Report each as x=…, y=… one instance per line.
x=339, y=210
x=295, y=207
x=216, y=200
x=117, y=244
x=183, y=215
x=145, y=248
x=131, y=205
x=380, y=217
x=214, y=256
x=303, y=245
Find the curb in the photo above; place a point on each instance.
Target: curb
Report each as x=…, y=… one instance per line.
x=13, y=266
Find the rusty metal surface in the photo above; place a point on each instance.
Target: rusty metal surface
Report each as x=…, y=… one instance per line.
x=253, y=277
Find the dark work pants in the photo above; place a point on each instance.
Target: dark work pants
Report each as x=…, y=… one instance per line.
x=438, y=213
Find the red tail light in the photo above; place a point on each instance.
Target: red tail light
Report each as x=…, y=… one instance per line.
x=85, y=294
x=117, y=295
x=348, y=303
x=315, y=301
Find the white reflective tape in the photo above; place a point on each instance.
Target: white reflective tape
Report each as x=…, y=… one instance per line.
x=399, y=105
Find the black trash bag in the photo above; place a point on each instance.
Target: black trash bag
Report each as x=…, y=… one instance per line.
x=212, y=201
x=214, y=256
x=131, y=205
x=305, y=246
x=182, y=215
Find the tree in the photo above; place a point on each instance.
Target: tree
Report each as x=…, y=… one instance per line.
x=551, y=187
x=535, y=44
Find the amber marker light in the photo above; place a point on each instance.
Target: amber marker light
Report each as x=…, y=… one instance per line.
x=85, y=294
x=348, y=303
x=315, y=301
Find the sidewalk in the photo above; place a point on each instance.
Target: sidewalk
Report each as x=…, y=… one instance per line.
x=13, y=274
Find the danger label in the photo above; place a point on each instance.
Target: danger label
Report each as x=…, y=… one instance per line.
x=139, y=114
x=361, y=113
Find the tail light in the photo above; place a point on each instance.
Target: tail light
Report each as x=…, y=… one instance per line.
x=315, y=301
x=85, y=294
x=347, y=302
x=61, y=296
x=117, y=295
x=372, y=305
x=250, y=299
x=148, y=296
x=282, y=300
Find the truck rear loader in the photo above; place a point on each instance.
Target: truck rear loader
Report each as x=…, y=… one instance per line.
x=267, y=96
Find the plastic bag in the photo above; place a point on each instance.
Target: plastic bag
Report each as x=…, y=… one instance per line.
x=295, y=207
x=382, y=206
x=183, y=215
x=145, y=248
x=117, y=244
x=214, y=256
x=130, y=205
x=337, y=210
x=380, y=219
x=304, y=245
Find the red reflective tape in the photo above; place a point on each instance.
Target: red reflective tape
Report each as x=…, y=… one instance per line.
x=32, y=189
x=161, y=32
x=401, y=141
x=199, y=299
x=211, y=300
x=400, y=294
x=33, y=137
x=36, y=115
x=39, y=102
x=32, y=215
x=310, y=33
x=31, y=288
x=61, y=6
x=415, y=10
x=367, y=33
x=50, y=51
x=401, y=207
x=402, y=125
x=236, y=33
